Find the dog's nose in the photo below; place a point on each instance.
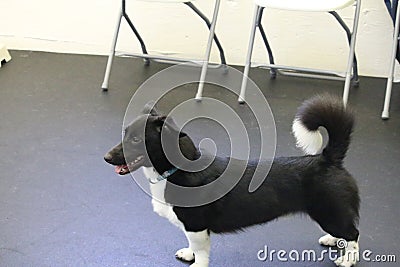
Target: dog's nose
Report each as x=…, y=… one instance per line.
x=108, y=157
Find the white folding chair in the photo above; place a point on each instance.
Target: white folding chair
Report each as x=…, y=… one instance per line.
x=330, y=6
x=4, y=54
x=389, y=84
x=204, y=62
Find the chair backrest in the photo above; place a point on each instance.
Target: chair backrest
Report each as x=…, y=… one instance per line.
x=306, y=5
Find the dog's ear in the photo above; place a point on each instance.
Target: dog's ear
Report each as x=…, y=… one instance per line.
x=168, y=124
x=150, y=108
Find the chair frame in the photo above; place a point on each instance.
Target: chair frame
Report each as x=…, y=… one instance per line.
x=390, y=79
x=203, y=62
x=349, y=77
x=4, y=54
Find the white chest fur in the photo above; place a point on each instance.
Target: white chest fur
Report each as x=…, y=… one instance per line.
x=158, y=201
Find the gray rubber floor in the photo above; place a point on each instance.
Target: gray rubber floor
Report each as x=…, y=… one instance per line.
x=62, y=205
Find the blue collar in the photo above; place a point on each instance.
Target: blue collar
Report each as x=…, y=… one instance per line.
x=163, y=176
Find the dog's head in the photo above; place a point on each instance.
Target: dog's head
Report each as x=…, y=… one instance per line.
x=141, y=144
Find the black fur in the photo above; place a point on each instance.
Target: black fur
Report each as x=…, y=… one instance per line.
x=317, y=185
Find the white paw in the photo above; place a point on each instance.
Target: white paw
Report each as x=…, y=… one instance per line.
x=350, y=256
x=328, y=240
x=345, y=261
x=185, y=254
x=198, y=265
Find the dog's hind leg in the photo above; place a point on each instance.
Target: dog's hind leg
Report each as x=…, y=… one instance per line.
x=199, y=249
x=351, y=254
x=342, y=232
x=346, y=239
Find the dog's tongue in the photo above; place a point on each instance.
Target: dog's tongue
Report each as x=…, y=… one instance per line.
x=119, y=168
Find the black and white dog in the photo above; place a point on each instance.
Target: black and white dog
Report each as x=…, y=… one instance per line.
x=316, y=184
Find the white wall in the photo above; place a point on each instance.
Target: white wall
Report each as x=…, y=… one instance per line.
x=310, y=40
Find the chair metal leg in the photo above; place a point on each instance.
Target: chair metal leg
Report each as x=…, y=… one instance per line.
x=122, y=14
x=199, y=93
x=128, y=20
x=241, y=98
x=207, y=21
x=264, y=37
x=351, y=54
x=395, y=4
x=355, y=79
x=104, y=86
x=389, y=84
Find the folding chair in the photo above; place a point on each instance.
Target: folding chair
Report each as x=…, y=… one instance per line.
x=4, y=54
x=394, y=10
x=204, y=62
x=330, y=6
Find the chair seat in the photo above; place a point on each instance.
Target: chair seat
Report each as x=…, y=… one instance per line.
x=305, y=5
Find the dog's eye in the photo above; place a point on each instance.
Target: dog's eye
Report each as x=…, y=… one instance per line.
x=136, y=140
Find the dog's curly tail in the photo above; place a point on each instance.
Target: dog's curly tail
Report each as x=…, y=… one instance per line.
x=327, y=111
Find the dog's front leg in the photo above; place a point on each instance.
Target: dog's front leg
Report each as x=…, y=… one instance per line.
x=199, y=245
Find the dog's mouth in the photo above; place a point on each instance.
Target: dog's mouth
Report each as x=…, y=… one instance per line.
x=131, y=166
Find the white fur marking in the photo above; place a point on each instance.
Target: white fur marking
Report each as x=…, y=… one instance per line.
x=199, y=242
x=351, y=255
x=310, y=141
x=185, y=254
x=158, y=201
x=328, y=240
